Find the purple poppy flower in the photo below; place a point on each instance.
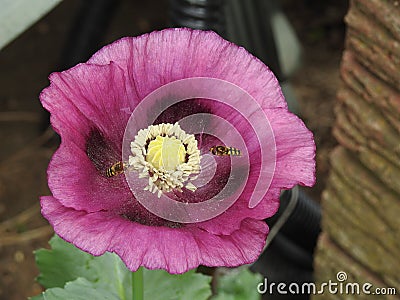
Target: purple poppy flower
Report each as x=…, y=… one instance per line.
x=95, y=208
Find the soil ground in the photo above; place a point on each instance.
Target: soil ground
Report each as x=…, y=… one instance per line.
x=27, y=145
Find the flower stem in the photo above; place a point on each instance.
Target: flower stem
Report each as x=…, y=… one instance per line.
x=137, y=285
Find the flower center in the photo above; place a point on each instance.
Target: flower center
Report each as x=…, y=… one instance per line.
x=166, y=152
x=167, y=155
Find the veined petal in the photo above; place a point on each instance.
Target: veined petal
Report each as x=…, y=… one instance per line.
x=295, y=150
x=295, y=164
x=176, y=250
x=154, y=59
x=81, y=186
x=86, y=97
x=230, y=220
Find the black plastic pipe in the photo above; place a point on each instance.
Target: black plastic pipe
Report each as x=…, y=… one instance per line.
x=87, y=32
x=303, y=225
x=198, y=14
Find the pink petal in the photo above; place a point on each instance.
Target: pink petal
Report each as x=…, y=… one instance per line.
x=230, y=220
x=176, y=250
x=81, y=187
x=86, y=97
x=75, y=226
x=84, y=101
x=160, y=57
x=295, y=164
x=295, y=161
x=74, y=180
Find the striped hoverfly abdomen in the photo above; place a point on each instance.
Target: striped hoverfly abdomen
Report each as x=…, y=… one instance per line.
x=115, y=169
x=224, y=151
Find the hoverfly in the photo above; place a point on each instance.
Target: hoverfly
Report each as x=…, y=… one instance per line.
x=115, y=169
x=224, y=150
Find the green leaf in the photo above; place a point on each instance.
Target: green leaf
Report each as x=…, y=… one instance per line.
x=238, y=284
x=79, y=289
x=63, y=263
x=160, y=285
x=70, y=273
x=111, y=273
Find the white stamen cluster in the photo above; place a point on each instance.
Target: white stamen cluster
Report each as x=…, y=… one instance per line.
x=160, y=179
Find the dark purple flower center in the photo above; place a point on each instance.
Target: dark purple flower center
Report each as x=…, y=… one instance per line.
x=104, y=153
